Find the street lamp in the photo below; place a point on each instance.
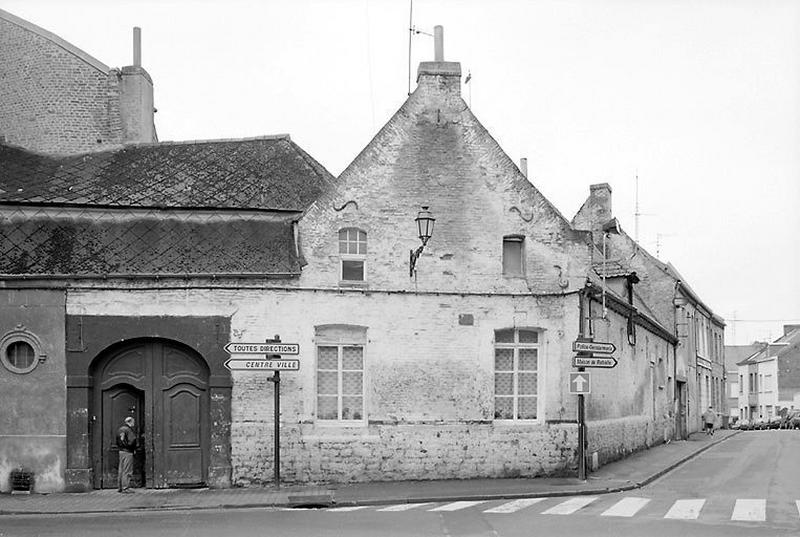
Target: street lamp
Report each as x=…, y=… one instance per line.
x=425, y=221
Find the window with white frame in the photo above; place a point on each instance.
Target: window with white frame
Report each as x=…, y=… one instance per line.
x=340, y=373
x=352, y=254
x=513, y=250
x=516, y=374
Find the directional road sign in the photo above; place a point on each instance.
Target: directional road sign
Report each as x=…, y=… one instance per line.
x=580, y=383
x=250, y=364
x=262, y=348
x=593, y=346
x=594, y=361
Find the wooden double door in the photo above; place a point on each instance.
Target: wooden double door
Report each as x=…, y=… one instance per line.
x=164, y=387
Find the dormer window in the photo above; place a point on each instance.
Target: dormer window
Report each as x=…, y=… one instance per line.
x=513, y=255
x=352, y=254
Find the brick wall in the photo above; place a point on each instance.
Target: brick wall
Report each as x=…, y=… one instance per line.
x=58, y=99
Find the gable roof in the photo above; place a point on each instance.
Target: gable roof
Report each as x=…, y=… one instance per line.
x=269, y=173
x=784, y=344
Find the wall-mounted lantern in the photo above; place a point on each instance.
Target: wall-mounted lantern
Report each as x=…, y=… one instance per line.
x=425, y=221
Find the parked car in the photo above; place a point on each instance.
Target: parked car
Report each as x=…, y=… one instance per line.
x=774, y=422
x=791, y=420
x=744, y=425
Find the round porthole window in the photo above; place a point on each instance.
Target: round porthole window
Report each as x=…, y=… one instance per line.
x=20, y=351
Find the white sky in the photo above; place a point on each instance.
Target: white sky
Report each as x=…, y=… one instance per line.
x=700, y=98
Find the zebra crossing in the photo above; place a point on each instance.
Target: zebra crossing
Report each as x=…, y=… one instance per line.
x=742, y=510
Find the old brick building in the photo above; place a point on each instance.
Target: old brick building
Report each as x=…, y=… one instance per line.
x=127, y=270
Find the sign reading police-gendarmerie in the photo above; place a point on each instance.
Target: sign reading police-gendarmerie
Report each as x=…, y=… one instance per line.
x=262, y=348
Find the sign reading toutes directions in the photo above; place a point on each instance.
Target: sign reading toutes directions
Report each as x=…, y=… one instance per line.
x=269, y=359
x=262, y=348
x=580, y=383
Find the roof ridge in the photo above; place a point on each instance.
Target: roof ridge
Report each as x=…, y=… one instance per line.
x=284, y=136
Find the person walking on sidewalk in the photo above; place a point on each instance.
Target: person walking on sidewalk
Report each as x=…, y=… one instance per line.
x=709, y=417
x=126, y=442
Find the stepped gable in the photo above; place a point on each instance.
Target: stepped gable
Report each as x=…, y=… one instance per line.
x=269, y=173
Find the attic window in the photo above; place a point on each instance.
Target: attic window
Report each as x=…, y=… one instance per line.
x=513, y=255
x=352, y=254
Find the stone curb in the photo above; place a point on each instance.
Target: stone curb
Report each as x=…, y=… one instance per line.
x=329, y=500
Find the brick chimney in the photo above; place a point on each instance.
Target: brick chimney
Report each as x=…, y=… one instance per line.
x=136, y=98
x=439, y=74
x=600, y=199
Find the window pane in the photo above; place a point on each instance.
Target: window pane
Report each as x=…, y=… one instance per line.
x=327, y=382
x=512, y=256
x=352, y=270
x=527, y=383
x=362, y=243
x=327, y=358
x=527, y=408
x=504, y=359
x=503, y=408
x=528, y=336
x=528, y=359
x=327, y=408
x=20, y=354
x=503, y=383
x=352, y=408
x=504, y=336
x=352, y=358
x=351, y=383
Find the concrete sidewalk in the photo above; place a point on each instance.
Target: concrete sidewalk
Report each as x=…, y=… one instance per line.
x=632, y=472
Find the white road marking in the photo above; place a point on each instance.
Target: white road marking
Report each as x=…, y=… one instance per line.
x=516, y=505
x=347, y=509
x=754, y=510
x=685, y=509
x=402, y=507
x=570, y=506
x=626, y=507
x=455, y=506
x=798, y=506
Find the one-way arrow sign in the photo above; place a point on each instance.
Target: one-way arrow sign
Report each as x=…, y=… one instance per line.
x=580, y=383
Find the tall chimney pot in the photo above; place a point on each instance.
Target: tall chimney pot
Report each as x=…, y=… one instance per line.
x=438, y=43
x=137, y=46
x=523, y=166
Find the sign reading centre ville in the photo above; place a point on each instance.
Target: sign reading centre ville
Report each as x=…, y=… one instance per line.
x=262, y=348
x=254, y=364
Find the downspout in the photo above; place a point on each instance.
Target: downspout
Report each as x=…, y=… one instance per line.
x=675, y=399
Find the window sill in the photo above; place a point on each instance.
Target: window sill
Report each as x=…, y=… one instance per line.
x=353, y=284
x=512, y=423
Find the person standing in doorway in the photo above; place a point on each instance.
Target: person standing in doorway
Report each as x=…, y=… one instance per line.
x=709, y=417
x=126, y=442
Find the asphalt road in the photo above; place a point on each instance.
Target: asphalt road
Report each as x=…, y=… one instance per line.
x=748, y=485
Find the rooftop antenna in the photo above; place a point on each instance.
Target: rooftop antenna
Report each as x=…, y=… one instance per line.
x=636, y=213
x=411, y=32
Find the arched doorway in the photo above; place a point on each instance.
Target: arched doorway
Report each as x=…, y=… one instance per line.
x=164, y=386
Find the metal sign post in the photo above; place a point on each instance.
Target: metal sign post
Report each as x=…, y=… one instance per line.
x=272, y=350
x=275, y=379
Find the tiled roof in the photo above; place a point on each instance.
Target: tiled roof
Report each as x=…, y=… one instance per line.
x=611, y=269
x=270, y=173
x=85, y=246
